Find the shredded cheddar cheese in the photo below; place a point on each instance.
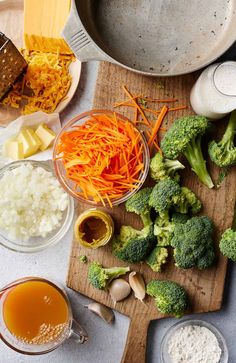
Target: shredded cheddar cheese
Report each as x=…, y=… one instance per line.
x=44, y=85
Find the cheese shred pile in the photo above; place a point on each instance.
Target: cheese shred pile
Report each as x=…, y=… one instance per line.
x=44, y=85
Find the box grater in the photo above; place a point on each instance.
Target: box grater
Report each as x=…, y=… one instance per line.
x=12, y=64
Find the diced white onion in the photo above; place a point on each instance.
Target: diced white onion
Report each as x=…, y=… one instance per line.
x=31, y=202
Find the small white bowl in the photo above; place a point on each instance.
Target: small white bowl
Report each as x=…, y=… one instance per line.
x=35, y=244
x=165, y=357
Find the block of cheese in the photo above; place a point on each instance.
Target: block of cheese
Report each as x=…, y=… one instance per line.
x=14, y=149
x=43, y=24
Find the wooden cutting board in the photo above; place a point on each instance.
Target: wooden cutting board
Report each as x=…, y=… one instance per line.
x=205, y=288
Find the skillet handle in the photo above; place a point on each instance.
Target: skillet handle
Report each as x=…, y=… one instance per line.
x=135, y=349
x=78, y=40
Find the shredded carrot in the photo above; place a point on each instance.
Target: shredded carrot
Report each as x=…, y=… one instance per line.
x=137, y=105
x=123, y=103
x=141, y=107
x=103, y=157
x=178, y=108
x=157, y=125
x=160, y=100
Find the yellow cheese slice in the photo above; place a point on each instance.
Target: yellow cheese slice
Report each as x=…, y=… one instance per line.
x=46, y=136
x=43, y=24
x=14, y=150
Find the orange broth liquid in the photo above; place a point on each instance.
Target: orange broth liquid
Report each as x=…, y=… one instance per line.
x=35, y=312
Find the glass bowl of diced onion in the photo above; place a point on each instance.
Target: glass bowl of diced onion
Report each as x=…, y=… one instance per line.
x=72, y=175
x=36, y=214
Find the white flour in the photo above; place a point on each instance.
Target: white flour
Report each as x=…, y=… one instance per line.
x=194, y=344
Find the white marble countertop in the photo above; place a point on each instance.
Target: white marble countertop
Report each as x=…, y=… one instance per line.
x=106, y=342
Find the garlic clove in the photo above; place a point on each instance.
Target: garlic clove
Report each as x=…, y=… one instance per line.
x=137, y=284
x=105, y=313
x=119, y=289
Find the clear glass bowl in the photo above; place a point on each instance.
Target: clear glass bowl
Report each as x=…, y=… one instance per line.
x=69, y=185
x=35, y=244
x=165, y=357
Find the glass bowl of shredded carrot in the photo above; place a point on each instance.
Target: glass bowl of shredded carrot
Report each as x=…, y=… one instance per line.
x=101, y=158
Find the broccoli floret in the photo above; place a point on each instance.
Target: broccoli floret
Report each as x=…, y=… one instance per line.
x=133, y=245
x=161, y=168
x=164, y=195
x=193, y=243
x=157, y=258
x=170, y=297
x=138, y=204
x=228, y=244
x=179, y=218
x=164, y=227
x=223, y=153
x=188, y=201
x=185, y=137
x=100, y=277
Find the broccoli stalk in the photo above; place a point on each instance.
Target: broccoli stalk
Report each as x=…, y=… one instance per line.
x=223, y=153
x=100, y=277
x=193, y=154
x=170, y=297
x=185, y=137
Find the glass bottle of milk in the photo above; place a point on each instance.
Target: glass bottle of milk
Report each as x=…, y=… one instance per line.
x=214, y=93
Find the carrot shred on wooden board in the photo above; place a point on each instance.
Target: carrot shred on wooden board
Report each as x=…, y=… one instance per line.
x=122, y=103
x=103, y=157
x=137, y=104
x=157, y=125
x=178, y=108
x=160, y=100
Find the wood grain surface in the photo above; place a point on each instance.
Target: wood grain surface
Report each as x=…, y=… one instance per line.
x=205, y=288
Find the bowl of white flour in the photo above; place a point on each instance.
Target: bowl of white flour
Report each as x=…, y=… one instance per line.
x=193, y=341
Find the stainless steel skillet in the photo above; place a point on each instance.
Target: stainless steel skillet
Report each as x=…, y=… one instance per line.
x=152, y=37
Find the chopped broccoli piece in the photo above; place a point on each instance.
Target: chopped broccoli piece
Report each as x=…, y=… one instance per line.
x=100, y=277
x=179, y=218
x=223, y=153
x=170, y=297
x=138, y=204
x=83, y=259
x=228, y=244
x=193, y=243
x=161, y=168
x=164, y=195
x=157, y=258
x=185, y=137
x=132, y=245
x=188, y=201
x=163, y=229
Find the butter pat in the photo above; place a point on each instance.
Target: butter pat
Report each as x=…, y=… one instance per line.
x=43, y=24
x=46, y=136
x=30, y=145
x=34, y=139
x=13, y=149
